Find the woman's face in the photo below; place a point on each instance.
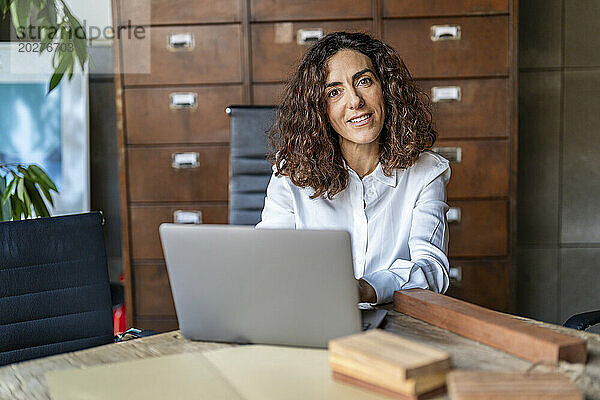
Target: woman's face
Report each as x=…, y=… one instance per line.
x=355, y=104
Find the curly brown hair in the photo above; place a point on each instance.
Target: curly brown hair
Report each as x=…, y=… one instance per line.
x=306, y=148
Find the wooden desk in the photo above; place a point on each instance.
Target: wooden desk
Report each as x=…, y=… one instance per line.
x=26, y=380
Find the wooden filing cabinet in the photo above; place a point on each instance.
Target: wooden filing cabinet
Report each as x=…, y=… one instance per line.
x=241, y=52
x=173, y=132
x=462, y=54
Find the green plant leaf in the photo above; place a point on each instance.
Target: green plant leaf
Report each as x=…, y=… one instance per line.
x=9, y=190
x=71, y=67
x=23, y=196
x=64, y=60
x=6, y=211
x=38, y=203
x=54, y=81
x=79, y=43
x=46, y=193
x=2, y=188
x=22, y=170
x=19, y=11
x=20, y=188
x=42, y=177
x=17, y=208
x=4, y=4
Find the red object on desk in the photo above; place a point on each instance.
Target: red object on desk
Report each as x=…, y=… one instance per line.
x=119, y=316
x=120, y=321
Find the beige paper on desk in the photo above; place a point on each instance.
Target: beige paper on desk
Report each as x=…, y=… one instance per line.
x=245, y=372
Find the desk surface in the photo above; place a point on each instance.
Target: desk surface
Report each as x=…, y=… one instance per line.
x=26, y=380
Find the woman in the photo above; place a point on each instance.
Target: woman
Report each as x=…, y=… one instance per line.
x=349, y=153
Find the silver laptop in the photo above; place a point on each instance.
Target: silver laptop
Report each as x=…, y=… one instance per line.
x=246, y=285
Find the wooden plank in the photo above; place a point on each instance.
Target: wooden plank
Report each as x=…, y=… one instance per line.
x=380, y=378
x=387, y=392
x=505, y=332
x=390, y=354
x=480, y=385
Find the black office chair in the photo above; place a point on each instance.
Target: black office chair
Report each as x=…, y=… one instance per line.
x=249, y=170
x=55, y=293
x=584, y=320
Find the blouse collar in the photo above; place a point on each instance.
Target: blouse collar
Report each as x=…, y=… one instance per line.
x=378, y=174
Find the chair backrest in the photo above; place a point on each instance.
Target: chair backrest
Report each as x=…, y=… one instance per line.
x=249, y=170
x=54, y=287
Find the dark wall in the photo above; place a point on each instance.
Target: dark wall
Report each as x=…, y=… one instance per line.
x=104, y=168
x=559, y=159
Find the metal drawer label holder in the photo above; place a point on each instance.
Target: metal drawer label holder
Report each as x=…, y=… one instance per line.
x=454, y=215
x=185, y=160
x=306, y=37
x=452, y=154
x=445, y=32
x=455, y=274
x=187, y=217
x=183, y=101
x=446, y=94
x=181, y=41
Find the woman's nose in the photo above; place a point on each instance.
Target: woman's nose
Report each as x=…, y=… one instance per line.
x=355, y=101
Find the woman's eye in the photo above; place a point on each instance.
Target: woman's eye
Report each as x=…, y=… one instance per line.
x=365, y=81
x=333, y=93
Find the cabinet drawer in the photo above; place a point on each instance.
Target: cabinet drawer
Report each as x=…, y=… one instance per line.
x=480, y=50
x=275, y=47
x=152, y=291
x=286, y=10
x=486, y=283
x=184, y=55
x=432, y=8
x=157, y=12
x=145, y=220
x=481, y=229
x=469, y=108
x=481, y=171
x=179, y=114
x=152, y=177
x=267, y=94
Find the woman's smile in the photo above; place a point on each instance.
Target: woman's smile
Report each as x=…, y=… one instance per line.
x=361, y=120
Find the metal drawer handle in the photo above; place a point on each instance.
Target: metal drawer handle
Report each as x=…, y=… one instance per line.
x=446, y=94
x=445, y=32
x=452, y=154
x=455, y=274
x=308, y=36
x=454, y=215
x=187, y=217
x=181, y=41
x=181, y=101
x=185, y=160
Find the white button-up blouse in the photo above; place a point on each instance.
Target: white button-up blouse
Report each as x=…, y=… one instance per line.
x=397, y=223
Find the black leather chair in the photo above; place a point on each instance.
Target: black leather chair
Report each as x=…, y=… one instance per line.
x=584, y=320
x=54, y=287
x=249, y=170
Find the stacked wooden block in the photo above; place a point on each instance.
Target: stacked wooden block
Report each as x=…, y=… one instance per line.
x=485, y=385
x=388, y=364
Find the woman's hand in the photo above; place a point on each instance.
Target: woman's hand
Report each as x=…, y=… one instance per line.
x=366, y=292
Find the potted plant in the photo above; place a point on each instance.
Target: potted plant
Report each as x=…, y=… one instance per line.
x=22, y=189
